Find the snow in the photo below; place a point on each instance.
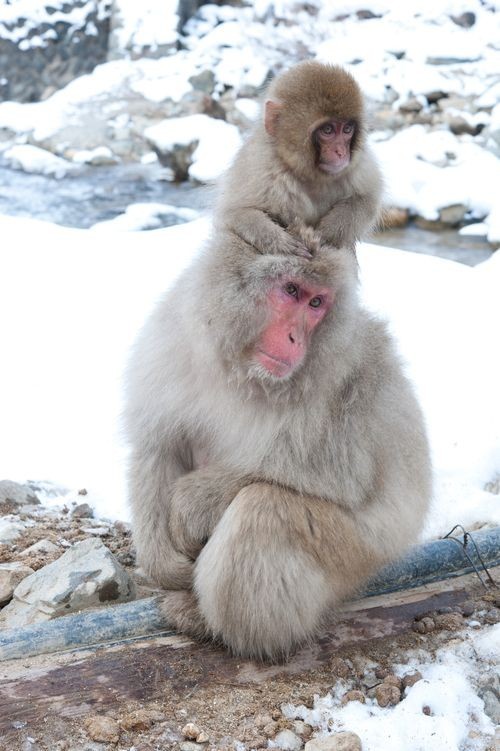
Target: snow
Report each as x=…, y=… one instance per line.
x=73, y=301
x=240, y=45
x=71, y=304
x=457, y=720
x=414, y=169
x=146, y=24
x=39, y=161
x=140, y=216
x=19, y=17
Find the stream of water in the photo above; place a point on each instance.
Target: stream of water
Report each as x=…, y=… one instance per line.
x=97, y=194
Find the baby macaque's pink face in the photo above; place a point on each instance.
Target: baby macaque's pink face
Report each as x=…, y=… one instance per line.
x=295, y=309
x=333, y=142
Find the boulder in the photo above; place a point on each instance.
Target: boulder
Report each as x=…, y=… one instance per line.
x=11, y=574
x=86, y=575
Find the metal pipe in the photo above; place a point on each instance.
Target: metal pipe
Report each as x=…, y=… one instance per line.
x=426, y=563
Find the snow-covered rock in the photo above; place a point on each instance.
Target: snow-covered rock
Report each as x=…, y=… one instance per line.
x=142, y=216
x=192, y=145
x=33, y=159
x=45, y=44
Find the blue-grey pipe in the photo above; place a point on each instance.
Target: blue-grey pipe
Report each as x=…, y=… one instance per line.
x=426, y=563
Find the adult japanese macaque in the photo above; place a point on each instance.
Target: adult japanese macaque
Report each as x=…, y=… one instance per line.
x=278, y=452
x=307, y=163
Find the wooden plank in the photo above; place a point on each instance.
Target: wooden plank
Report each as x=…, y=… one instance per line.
x=72, y=684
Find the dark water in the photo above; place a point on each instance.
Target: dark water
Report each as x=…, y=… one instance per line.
x=97, y=194
x=444, y=243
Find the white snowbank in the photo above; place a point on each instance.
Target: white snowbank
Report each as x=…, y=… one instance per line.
x=141, y=216
x=39, y=161
x=416, y=176
x=73, y=300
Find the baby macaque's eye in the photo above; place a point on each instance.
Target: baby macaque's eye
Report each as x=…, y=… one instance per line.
x=327, y=129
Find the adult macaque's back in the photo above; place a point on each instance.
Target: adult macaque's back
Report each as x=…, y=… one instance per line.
x=306, y=163
x=278, y=453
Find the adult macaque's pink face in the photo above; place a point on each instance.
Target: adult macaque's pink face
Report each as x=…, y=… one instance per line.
x=333, y=141
x=295, y=309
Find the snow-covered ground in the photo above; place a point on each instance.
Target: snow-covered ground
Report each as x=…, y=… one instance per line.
x=71, y=303
x=73, y=300
x=456, y=721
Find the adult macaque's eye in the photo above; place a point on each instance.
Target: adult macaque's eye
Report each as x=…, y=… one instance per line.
x=316, y=302
x=327, y=129
x=292, y=289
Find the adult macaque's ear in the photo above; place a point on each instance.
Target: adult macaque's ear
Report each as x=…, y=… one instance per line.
x=272, y=110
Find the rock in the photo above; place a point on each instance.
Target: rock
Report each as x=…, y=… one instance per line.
x=45, y=547
x=178, y=158
x=411, y=106
x=335, y=742
x=492, y=617
x=98, y=157
x=490, y=694
x=103, y=531
x=394, y=217
x=460, y=126
x=83, y=511
x=366, y=15
x=102, y=729
x=424, y=625
x=444, y=60
x=11, y=574
x=388, y=119
x=10, y=528
x=493, y=486
x=303, y=729
x=14, y=492
x=465, y=20
x=37, y=55
x=340, y=668
x=411, y=678
x=288, y=741
x=190, y=731
x=269, y=730
x=204, y=81
x=436, y=96
x=449, y=621
x=453, y=215
x=138, y=720
x=191, y=746
x=468, y=608
x=427, y=710
x=386, y=695
x=393, y=680
x=86, y=575
x=354, y=695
